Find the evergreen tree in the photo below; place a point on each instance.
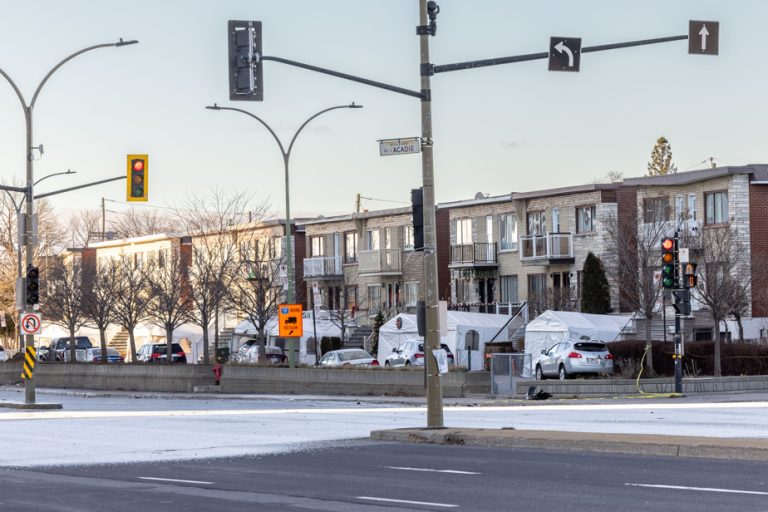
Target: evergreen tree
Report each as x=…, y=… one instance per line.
x=661, y=158
x=595, y=294
x=378, y=321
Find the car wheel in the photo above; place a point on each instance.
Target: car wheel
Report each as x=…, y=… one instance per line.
x=407, y=363
x=539, y=373
x=563, y=373
x=387, y=365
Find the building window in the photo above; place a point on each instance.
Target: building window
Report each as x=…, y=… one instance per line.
x=692, y=207
x=408, y=238
x=411, y=293
x=316, y=246
x=508, y=232
x=350, y=247
x=508, y=290
x=350, y=295
x=276, y=248
x=679, y=208
x=463, y=289
x=585, y=219
x=162, y=257
x=489, y=229
x=537, y=223
x=374, y=299
x=463, y=231
x=655, y=209
x=372, y=239
x=716, y=206
x=537, y=285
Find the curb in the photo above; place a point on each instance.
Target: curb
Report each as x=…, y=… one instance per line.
x=26, y=406
x=654, y=445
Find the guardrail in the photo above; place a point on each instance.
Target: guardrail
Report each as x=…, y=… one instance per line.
x=322, y=266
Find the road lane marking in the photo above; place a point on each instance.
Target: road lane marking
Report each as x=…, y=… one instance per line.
x=451, y=471
x=425, y=503
x=173, y=480
x=706, y=489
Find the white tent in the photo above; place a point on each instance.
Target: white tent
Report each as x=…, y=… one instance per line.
x=460, y=326
x=552, y=326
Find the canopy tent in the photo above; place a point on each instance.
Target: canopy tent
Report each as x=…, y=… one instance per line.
x=553, y=326
x=461, y=326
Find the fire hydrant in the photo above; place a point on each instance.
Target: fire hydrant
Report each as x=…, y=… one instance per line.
x=217, y=372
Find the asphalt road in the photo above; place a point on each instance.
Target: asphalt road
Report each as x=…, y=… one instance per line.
x=370, y=476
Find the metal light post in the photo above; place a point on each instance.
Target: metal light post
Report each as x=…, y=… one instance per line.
x=29, y=241
x=286, y=159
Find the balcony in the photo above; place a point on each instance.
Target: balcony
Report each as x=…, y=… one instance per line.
x=322, y=267
x=379, y=262
x=549, y=248
x=474, y=255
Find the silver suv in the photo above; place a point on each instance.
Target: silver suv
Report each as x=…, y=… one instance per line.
x=570, y=357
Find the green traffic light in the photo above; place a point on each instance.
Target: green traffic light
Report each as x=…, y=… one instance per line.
x=668, y=282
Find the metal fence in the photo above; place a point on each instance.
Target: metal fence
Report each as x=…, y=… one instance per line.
x=506, y=370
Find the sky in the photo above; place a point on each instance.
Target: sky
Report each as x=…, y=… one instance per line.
x=515, y=127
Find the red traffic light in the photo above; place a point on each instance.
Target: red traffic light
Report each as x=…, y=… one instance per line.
x=668, y=244
x=138, y=165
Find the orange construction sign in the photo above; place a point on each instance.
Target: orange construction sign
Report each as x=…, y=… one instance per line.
x=289, y=321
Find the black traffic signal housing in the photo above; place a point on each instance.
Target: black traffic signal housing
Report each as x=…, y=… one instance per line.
x=417, y=209
x=682, y=302
x=138, y=184
x=669, y=263
x=245, y=66
x=33, y=285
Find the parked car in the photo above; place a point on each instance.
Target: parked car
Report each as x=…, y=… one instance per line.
x=412, y=353
x=348, y=357
x=58, y=346
x=3, y=355
x=93, y=355
x=158, y=353
x=571, y=357
x=249, y=353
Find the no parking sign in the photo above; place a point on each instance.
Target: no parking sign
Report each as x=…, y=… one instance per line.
x=30, y=323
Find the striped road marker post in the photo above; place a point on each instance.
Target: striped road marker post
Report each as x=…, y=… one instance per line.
x=29, y=363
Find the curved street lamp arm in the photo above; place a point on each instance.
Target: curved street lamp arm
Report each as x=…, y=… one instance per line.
x=15, y=88
x=310, y=119
x=70, y=57
x=271, y=131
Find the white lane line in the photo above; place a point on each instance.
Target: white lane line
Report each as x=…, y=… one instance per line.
x=425, y=503
x=451, y=471
x=173, y=480
x=706, y=489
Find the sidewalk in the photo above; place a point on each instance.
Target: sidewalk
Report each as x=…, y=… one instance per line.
x=654, y=445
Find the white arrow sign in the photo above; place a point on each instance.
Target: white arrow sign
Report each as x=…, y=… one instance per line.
x=560, y=47
x=703, y=33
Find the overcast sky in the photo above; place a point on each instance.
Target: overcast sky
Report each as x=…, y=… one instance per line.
x=515, y=127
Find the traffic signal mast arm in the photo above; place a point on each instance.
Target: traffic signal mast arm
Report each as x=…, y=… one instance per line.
x=78, y=187
x=467, y=65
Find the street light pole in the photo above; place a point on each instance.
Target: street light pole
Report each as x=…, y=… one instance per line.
x=286, y=158
x=29, y=241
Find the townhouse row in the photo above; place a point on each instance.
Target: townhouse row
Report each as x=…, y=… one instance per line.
x=496, y=252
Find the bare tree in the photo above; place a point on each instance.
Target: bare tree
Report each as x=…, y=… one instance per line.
x=342, y=316
x=133, y=223
x=84, y=228
x=170, y=301
x=131, y=298
x=101, y=300
x=634, y=261
x=725, y=279
x=256, y=288
x=62, y=297
x=556, y=299
x=212, y=221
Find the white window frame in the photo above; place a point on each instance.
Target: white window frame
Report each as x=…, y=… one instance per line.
x=408, y=243
x=716, y=207
x=372, y=240
x=508, y=232
x=581, y=225
x=411, y=289
x=463, y=231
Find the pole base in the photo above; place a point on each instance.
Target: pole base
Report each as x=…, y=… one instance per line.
x=26, y=406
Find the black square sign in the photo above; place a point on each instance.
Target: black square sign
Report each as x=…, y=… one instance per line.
x=703, y=37
x=564, y=53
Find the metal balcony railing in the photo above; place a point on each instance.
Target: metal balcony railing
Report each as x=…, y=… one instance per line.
x=476, y=253
x=378, y=261
x=549, y=246
x=322, y=266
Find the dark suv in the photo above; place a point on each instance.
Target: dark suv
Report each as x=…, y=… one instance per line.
x=55, y=351
x=158, y=353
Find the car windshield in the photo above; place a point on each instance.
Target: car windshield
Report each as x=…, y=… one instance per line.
x=354, y=354
x=587, y=346
x=161, y=349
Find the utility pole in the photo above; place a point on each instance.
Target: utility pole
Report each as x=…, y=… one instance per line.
x=103, y=220
x=427, y=27
x=357, y=203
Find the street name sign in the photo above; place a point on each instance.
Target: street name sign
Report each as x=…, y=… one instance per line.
x=564, y=53
x=703, y=37
x=289, y=321
x=389, y=147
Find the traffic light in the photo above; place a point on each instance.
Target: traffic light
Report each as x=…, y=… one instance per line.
x=689, y=275
x=245, y=68
x=138, y=185
x=33, y=285
x=669, y=263
x=682, y=303
x=417, y=209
